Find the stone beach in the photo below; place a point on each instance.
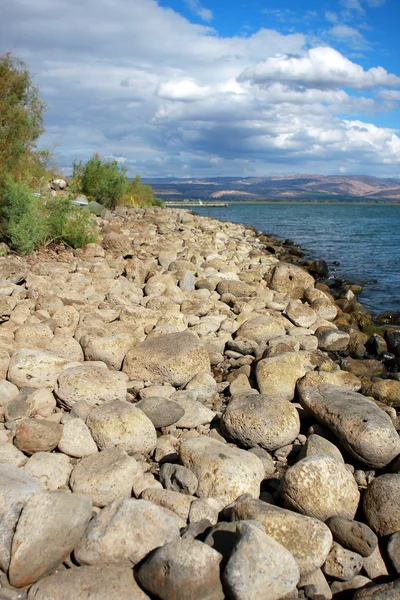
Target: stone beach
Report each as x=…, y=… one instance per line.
x=188, y=411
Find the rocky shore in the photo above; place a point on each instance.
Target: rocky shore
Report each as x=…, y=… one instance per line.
x=187, y=412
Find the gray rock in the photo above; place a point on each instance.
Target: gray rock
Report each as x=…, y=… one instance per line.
x=105, y=476
x=266, y=459
x=76, y=439
x=381, y=504
x=374, y=566
x=16, y=487
x=195, y=412
x=161, y=411
x=184, y=569
x=119, y=423
x=174, y=358
x=178, y=479
x=321, y=487
x=125, y=531
x=205, y=509
x=33, y=435
x=259, y=567
x=342, y=564
x=353, y=535
x=393, y=551
x=359, y=581
x=261, y=420
x=300, y=314
x=307, y=539
x=95, y=384
x=315, y=581
x=317, y=444
x=383, y=591
x=331, y=339
x=88, y=583
x=50, y=526
x=224, y=472
x=365, y=430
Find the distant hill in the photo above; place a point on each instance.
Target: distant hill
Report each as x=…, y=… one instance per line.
x=290, y=187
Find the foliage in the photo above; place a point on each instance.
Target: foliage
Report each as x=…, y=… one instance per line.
x=104, y=181
x=69, y=224
x=140, y=194
x=21, y=123
x=22, y=220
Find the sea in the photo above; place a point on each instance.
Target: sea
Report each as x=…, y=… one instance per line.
x=359, y=242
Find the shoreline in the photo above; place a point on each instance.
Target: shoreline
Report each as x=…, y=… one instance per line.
x=171, y=394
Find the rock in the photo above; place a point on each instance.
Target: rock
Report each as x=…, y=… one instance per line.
x=41, y=402
x=161, y=411
x=353, y=535
x=8, y=392
x=383, y=591
x=320, y=486
x=381, y=504
x=195, y=413
x=393, y=551
x=277, y=376
x=317, y=584
x=266, y=459
x=300, y=314
x=387, y=391
x=115, y=242
x=237, y=288
x=260, y=329
x=52, y=470
x=316, y=444
x=76, y=439
x=16, y=487
x=340, y=378
x=38, y=335
x=332, y=340
x=174, y=358
x=66, y=347
x=125, y=531
x=110, y=349
x=224, y=472
x=261, y=420
x=365, y=430
x=259, y=567
x=183, y=569
x=173, y=501
x=205, y=509
x=119, y=423
x=342, y=564
x=359, y=581
x=88, y=583
x=307, y=539
x=290, y=280
x=178, y=479
x=10, y=455
x=374, y=566
x=49, y=528
x=33, y=435
x=94, y=384
x=35, y=368
x=105, y=476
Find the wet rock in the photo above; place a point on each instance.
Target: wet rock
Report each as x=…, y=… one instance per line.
x=361, y=427
x=184, y=569
x=161, y=411
x=353, y=535
x=381, y=505
x=33, y=435
x=84, y=583
x=261, y=420
x=342, y=564
x=105, y=476
x=224, y=472
x=173, y=358
x=320, y=486
x=49, y=528
x=125, y=531
x=259, y=567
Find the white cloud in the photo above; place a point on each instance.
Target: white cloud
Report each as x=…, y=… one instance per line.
x=321, y=67
x=140, y=82
x=204, y=13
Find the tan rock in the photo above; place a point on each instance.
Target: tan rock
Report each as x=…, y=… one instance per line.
x=277, y=376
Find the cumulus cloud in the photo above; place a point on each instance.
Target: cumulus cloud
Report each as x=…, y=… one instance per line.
x=321, y=67
x=139, y=82
x=204, y=13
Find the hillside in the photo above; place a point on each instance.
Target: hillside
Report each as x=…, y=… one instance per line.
x=291, y=187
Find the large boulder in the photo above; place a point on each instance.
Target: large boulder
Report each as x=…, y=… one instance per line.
x=173, y=358
x=290, y=280
x=95, y=384
x=35, y=368
x=277, y=376
x=224, y=472
x=261, y=420
x=260, y=329
x=365, y=430
x=381, y=504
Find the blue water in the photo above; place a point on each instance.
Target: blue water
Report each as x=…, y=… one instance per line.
x=365, y=239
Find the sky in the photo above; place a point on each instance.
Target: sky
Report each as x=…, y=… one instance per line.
x=208, y=88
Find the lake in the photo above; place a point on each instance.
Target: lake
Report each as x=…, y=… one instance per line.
x=364, y=239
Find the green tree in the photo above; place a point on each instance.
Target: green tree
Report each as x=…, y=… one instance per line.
x=141, y=194
x=21, y=123
x=104, y=181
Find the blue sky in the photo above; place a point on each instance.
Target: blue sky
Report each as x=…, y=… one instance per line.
x=200, y=88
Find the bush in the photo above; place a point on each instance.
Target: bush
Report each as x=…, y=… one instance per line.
x=140, y=194
x=69, y=224
x=22, y=219
x=104, y=181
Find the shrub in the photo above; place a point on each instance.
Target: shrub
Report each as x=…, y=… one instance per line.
x=69, y=224
x=140, y=194
x=22, y=220
x=104, y=181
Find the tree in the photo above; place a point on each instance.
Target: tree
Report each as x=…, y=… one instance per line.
x=21, y=122
x=104, y=181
